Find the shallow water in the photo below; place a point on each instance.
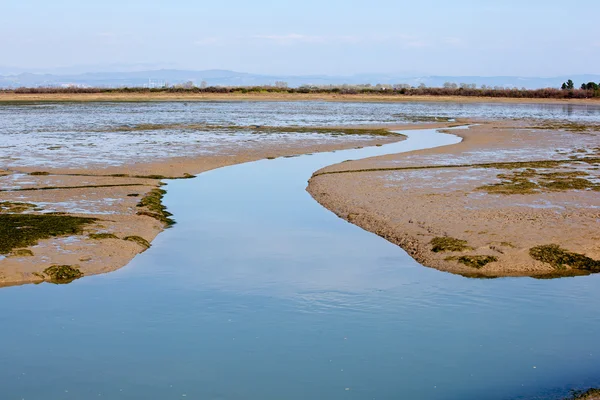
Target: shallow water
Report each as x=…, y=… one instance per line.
x=260, y=293
x=82, y=134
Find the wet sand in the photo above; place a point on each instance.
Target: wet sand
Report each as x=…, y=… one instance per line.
x=498, y=213
x=111, y=194
x=136, y=97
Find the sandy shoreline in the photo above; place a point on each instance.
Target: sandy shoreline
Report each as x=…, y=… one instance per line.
x=493, y=214
x=112, y=194
x=6, y=97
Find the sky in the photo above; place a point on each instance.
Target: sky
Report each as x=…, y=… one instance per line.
x=332, y=37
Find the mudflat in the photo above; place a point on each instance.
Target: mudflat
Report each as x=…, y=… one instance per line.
x=514, y=198
x=86, y=213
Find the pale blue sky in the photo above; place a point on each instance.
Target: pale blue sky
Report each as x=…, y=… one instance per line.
x=338, y=37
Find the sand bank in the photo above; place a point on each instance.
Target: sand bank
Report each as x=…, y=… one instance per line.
x=482, y=207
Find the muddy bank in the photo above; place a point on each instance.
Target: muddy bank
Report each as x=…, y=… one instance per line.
x=120, y=201
x=514, y=198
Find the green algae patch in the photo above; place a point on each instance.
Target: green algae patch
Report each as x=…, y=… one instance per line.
x=590, y=394
x=62, y=274
x=513, y=186
x=476, y=261
x=566, y=126
x=139, y=240
x=24, y=230
x=70, y=187
x=446, y=244
x=497, y=165
x=531, y=181
x=16, y=207
x=101, y=236
x=257, y=129
x=21, y=253
x=153, y=207
x=559, y=258
x=562, y=184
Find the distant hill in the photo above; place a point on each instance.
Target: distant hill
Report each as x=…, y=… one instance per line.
x=232, y=78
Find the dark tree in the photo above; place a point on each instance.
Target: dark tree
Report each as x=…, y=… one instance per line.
x=570, y=85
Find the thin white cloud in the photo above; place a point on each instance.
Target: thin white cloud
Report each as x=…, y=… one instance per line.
x=208, y=41
x=106, y=35
x=292, y=38
x=288, y=39
x=453, y=41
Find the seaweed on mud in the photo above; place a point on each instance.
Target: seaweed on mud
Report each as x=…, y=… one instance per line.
x=497, y=165
x=521, y=182
x=446, y=244
x=101, y=236
x=152, y=202
x=16, y=207
x=159, y=177
x=62, y=274
x=569, y=184
x=559, y=258
x=24, y=230
x=515, y=186
x=566, y=126
x=590, y=394
x=70, y=187
x=139, y=240
x=151, y=176
x=422, y=118
x=259, y=129
x=21, y=253
x=39, y=173
x=476, y=261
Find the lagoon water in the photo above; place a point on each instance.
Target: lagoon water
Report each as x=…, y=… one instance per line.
x=260, y=293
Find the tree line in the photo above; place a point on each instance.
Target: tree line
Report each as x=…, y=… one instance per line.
x=570, y=85
x=568, y=90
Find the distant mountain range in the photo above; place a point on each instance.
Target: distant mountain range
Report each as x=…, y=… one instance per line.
x=159, y=77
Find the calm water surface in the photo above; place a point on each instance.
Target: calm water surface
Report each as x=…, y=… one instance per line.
x=260, y=293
